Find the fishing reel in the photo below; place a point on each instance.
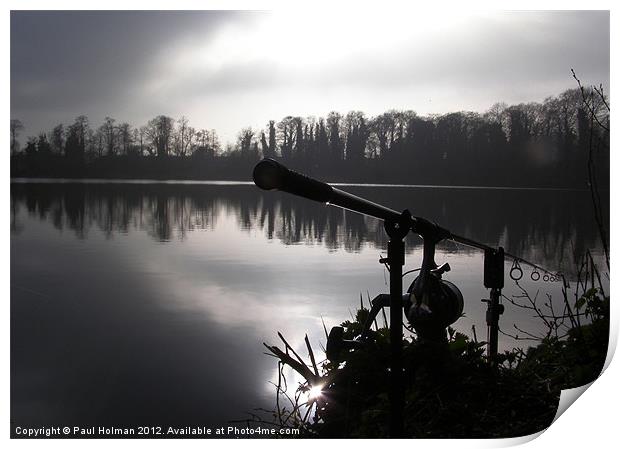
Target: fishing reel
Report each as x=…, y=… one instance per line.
x=431, y=304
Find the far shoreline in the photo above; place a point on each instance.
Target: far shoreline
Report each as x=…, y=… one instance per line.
x=225, y=182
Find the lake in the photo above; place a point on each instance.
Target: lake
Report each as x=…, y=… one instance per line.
x=144, y=303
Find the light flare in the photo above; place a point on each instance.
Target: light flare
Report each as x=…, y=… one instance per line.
x=315, y=392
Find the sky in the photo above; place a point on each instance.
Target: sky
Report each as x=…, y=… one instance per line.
x=226, y=70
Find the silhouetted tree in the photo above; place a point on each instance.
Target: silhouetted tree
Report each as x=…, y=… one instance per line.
x=299, y=147
x=336, y=145
x=58, y=138
x=43, y=146
x=125, y=138
x=98, y=142
x=244, y=141
x=109, y=132
x=31, y=146
x=207, y=144
x=159, y=131
x=322, y=142
x=272, y=138
x=75, y=146
x=357, y=135
x=285, y=136
x=383, y=127
x=183, y=137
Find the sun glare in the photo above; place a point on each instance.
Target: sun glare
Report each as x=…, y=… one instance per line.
x=287, y=37
x=315, y=392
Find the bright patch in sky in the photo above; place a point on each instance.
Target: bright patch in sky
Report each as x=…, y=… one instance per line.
x=228, y=70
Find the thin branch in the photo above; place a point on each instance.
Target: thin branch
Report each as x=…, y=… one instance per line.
x=311, y=354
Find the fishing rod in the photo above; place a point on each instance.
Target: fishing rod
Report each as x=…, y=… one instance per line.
x=431, y=303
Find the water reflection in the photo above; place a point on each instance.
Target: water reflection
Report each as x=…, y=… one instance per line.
x=548, y=227
x=146, y=304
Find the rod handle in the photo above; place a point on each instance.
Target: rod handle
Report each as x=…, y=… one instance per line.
x=271, y=175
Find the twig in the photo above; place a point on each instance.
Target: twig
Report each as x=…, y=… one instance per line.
x=290, y=347
x=311, y=354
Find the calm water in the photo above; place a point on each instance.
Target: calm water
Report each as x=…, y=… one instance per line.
x=147, y=304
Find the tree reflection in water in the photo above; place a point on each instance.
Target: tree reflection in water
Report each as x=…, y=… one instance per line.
x=548, y=227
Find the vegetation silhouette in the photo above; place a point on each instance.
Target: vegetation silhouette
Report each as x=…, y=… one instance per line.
x=451, y=389
x=529, y=144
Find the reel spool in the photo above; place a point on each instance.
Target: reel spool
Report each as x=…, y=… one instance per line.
x=431, y=308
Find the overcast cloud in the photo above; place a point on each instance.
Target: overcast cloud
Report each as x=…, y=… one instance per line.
x=229, y=70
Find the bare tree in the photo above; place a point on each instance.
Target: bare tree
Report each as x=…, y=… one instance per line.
x=141, y=139
x=159, y=132
x=77, y=136
x=183, y=137
x=125, y=137
x=109, y=132
x=285, y=136
x=244, y=140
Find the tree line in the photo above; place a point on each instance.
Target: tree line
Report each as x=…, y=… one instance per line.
x=538, y=143
x=161, y=136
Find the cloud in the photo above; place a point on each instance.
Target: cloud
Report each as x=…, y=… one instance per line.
x=226, y=70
